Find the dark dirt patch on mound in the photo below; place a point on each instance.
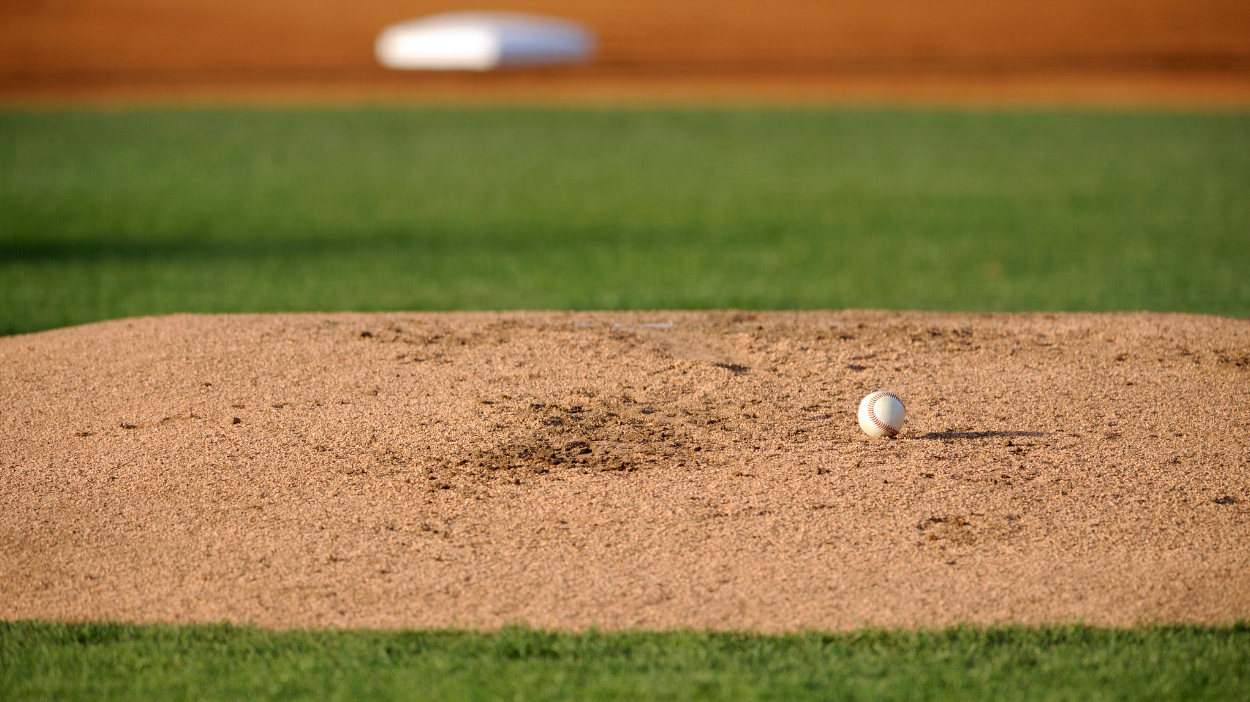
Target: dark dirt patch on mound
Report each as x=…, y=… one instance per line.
x=616, y=470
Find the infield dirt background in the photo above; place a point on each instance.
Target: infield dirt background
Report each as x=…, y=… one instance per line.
x=1062, y=51
x=627, y=470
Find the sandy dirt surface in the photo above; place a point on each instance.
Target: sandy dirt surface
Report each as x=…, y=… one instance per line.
x=1082, y=51
x=627, y=470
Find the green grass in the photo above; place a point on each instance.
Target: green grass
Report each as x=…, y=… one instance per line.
x=109, y=214
x=108, y=661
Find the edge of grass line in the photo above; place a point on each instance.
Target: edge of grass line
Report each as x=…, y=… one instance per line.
x=46, y=660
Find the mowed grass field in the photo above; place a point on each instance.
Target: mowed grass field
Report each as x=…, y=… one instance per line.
x=113, y=214
x=109, y=661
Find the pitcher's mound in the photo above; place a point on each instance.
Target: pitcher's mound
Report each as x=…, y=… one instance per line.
x=627, y=470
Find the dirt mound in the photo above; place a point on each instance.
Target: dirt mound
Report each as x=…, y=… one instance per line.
x=618, y=470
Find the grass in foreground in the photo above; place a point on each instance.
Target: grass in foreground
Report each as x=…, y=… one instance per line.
x=108, y=661
x=110, y=214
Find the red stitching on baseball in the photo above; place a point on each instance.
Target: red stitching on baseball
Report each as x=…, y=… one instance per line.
x=872, y=401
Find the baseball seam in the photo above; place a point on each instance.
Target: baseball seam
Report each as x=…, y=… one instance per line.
x=872, y=402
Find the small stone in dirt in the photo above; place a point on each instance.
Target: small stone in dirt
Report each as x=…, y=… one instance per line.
x=1225, y=500
x=577, y=448
x=236, y=420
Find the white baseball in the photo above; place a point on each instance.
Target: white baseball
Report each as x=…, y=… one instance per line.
x=881, y=414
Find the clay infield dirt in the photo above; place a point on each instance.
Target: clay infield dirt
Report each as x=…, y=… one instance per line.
x=627, y=469
x=1084, y=51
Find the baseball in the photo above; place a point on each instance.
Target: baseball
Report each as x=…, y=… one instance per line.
x=881, y=414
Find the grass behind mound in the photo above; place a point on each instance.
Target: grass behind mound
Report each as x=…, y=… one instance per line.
x=110, y=214
x=109, y=661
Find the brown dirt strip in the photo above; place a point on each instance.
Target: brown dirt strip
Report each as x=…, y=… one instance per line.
x=1106, y=52
x=604, y=86
x=627, y=470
